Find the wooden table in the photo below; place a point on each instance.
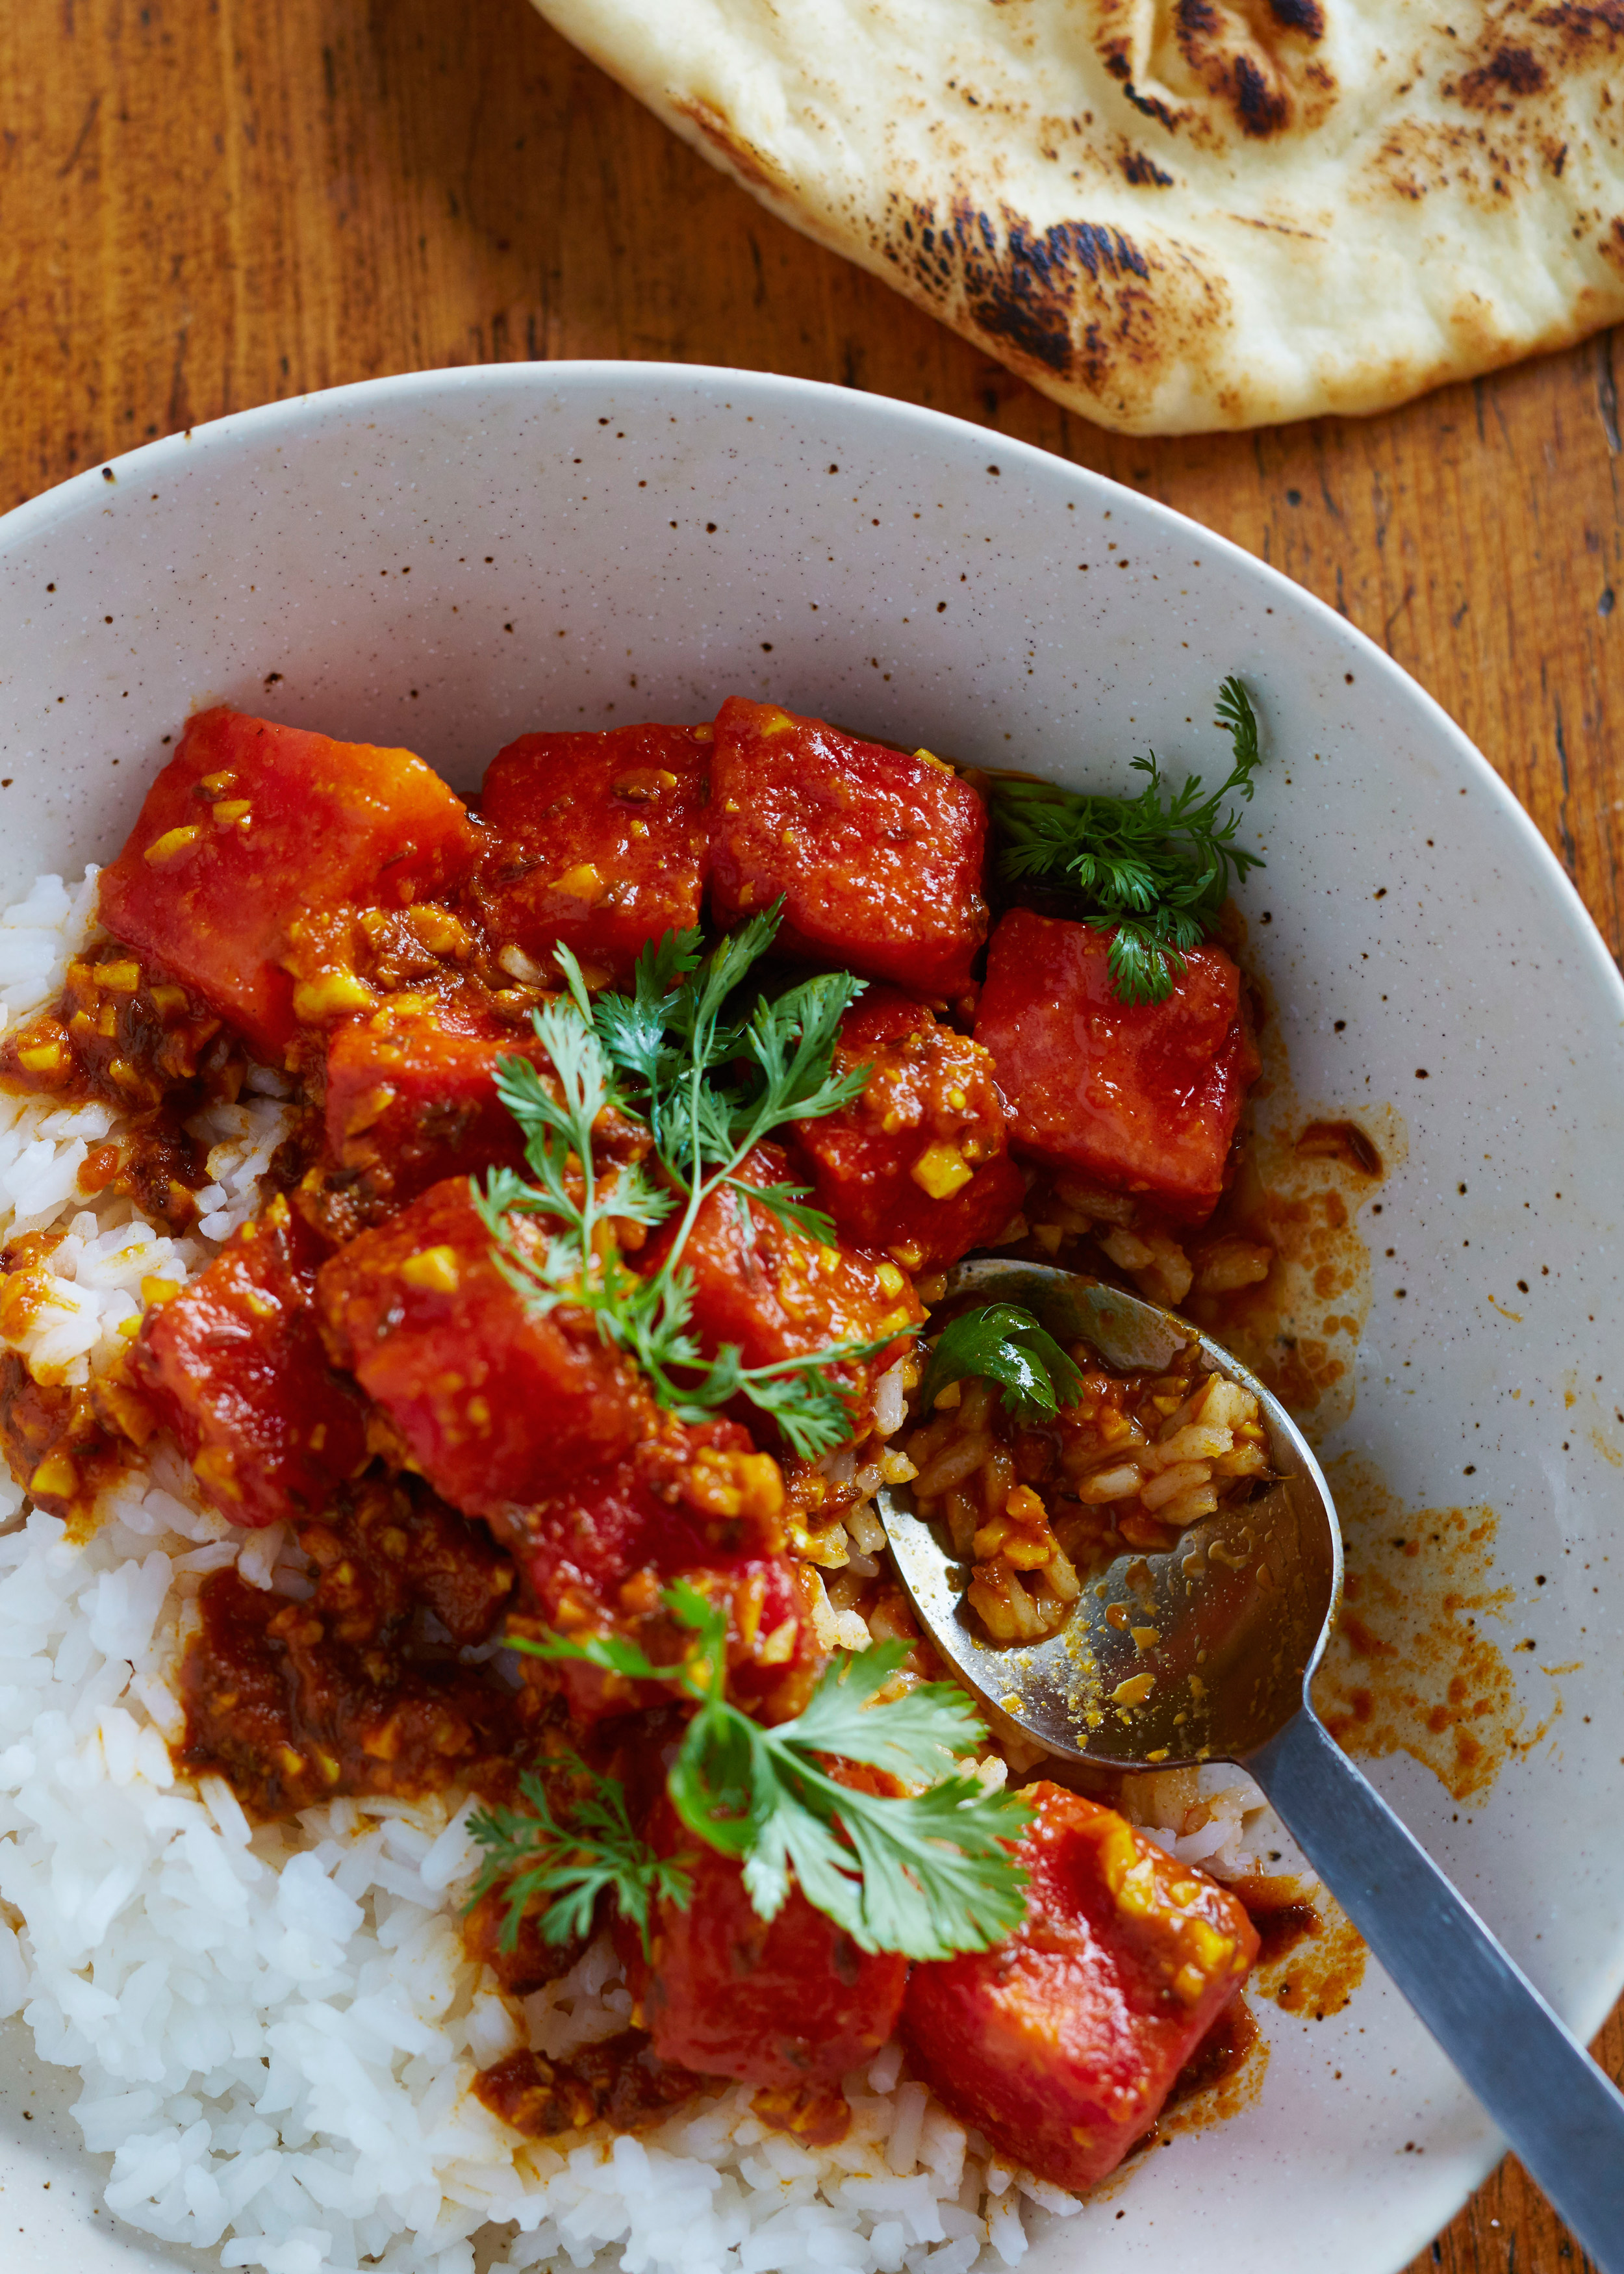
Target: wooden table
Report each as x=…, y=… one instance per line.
x=206, y=204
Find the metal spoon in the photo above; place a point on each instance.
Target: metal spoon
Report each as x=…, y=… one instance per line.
x=1240, y=1610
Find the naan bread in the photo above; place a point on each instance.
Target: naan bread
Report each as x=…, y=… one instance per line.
x=1175, y=215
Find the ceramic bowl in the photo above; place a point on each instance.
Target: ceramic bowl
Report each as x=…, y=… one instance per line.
x=445, y=561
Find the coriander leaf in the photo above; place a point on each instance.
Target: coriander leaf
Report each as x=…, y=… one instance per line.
x=1140, y=964
x=1155, y=869
x=630, y=1195
x=1005, y=1343
x=575, y=979
x=697, y=1016
x=567, y=1190
x=506, y=1193
x=793, y=1040
x=559, y=1129
x=664, y=963
x=927, y=1872
x=1143, y=955
x=920, y=1731
x=809, y=1410
x=583, y=1077
x=594, y=1851
x=609, y=1653
x=711, y=1138
x=632, y=1028
x=709, y=1086
x=787, y=1203
x=1235, y=711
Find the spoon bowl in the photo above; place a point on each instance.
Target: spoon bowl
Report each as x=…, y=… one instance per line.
x=1208, y=1656
x=1200, y=1653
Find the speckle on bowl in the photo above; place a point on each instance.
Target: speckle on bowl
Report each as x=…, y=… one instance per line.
x=592, y=543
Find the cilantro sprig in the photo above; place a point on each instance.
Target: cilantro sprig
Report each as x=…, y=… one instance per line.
x=927, y=1872
x=1154, y=870
x=1005, y=1343
x=710, y=1084
x=592, y=1852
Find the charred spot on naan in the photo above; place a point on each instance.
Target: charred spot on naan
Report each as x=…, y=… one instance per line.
x=1292, y=208
x=1495, y=85
x=1526, y=52
x=1206, y=68
x=1077, y=301
x=1142, y=170
x=1483, y=165
x=1305, y=16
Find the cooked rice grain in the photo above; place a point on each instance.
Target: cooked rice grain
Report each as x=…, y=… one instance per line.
x=37, y=937
x=67, y=1313
x=278, y=2028
x=1132, y=1461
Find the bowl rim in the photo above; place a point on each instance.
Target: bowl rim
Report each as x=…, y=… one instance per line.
x=262, y=428
x=262, y=422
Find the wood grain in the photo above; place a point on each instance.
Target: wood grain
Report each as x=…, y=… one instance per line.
x=206, y=204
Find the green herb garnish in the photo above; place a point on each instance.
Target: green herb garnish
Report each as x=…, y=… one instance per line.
x=1004, y=1343
x=1155, y=869
x=594, y=1851
x=709, y=1085
x=927, y=1873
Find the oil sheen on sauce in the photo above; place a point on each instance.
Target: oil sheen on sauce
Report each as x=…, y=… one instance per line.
x=1416, y=1664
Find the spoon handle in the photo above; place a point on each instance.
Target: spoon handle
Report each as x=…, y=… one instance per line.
x=1556, y=2108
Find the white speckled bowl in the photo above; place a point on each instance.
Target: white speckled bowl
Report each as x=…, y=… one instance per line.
x=446, y=559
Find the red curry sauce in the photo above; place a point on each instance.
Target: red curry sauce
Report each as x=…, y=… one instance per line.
x=451, y=1465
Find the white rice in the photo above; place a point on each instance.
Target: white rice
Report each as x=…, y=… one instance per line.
x=65, y=1315
x=241, y=1139
x=37, y=937
x=278, y=2029
x=1224, y=1824
x=43, y=1145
